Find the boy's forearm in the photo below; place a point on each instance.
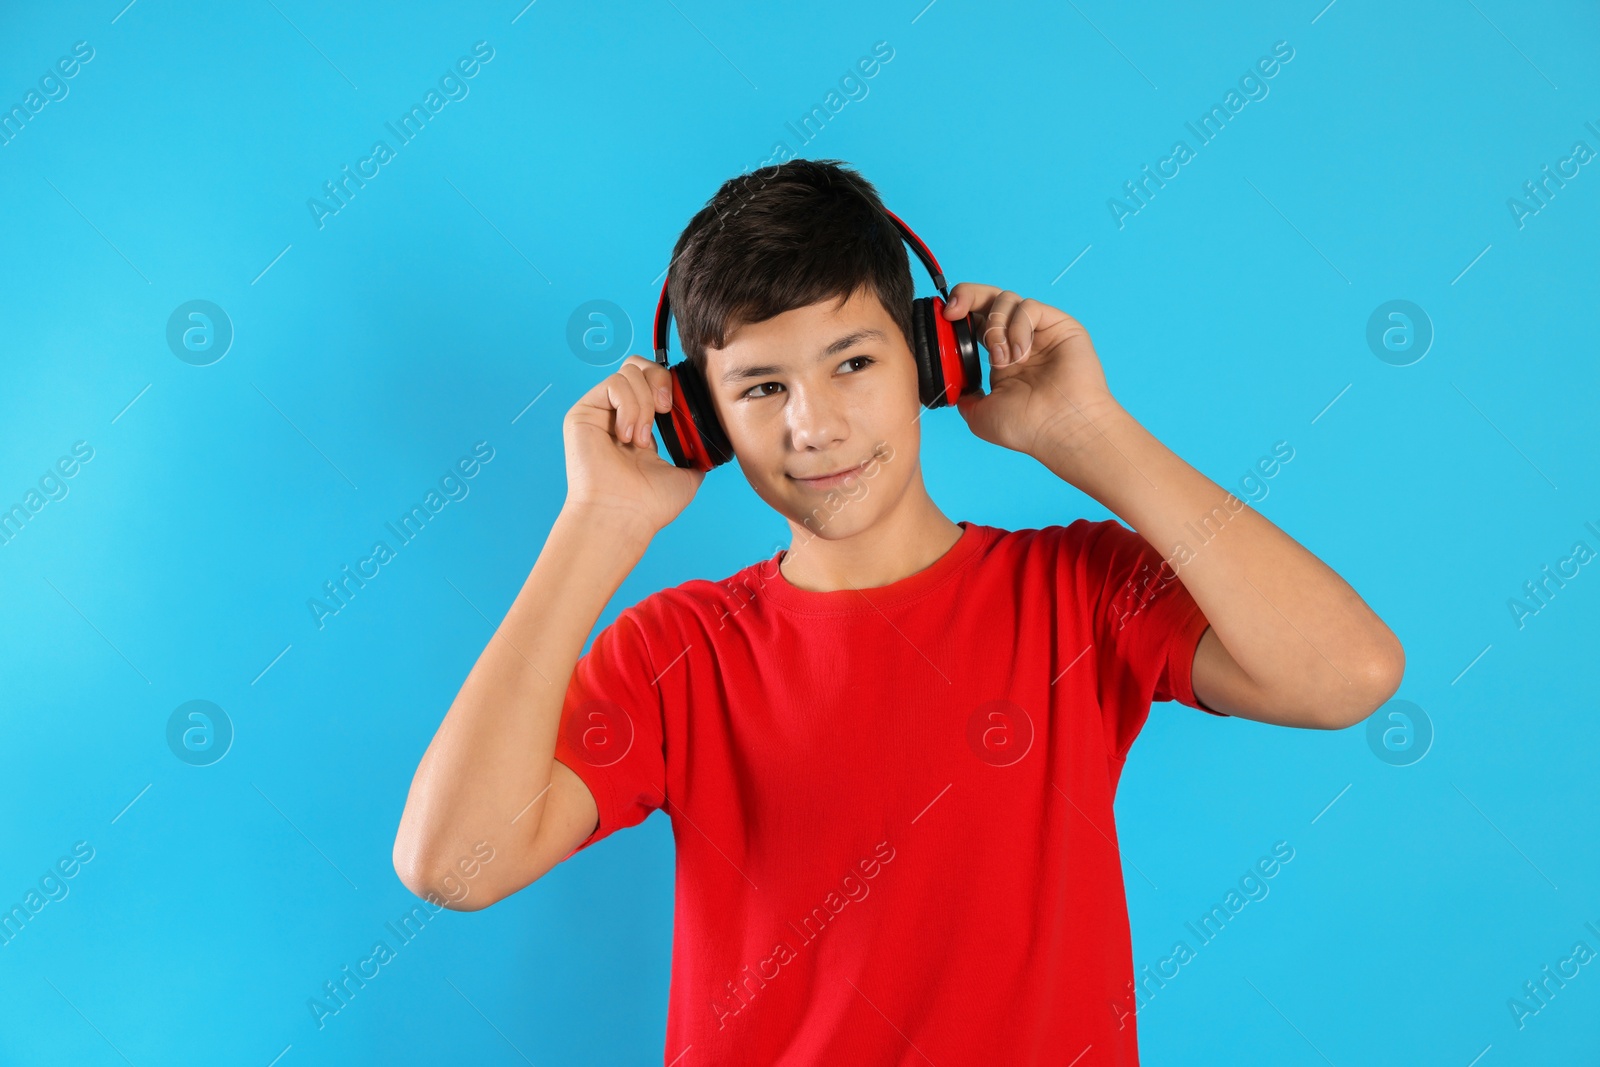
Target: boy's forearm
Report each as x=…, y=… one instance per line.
x=486, y=772
x=1297, y=629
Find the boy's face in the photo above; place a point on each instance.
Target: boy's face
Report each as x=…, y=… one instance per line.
x=815, y=391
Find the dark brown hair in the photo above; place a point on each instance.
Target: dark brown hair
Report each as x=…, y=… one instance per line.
x=781, y=238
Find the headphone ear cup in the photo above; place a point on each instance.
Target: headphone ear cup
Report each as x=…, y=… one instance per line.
x=966, y=335
x=709, y=447
x=925, y=348
x=667, y=425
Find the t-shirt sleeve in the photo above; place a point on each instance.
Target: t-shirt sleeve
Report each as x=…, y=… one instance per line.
x=1146, y=627
x=612, y=732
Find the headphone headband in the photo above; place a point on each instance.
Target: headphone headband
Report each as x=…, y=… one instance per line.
x=922, y=251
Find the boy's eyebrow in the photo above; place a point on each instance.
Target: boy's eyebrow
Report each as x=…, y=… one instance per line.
x=849, y=340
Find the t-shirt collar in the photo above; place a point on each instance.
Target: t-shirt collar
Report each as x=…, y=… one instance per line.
x=848, y=601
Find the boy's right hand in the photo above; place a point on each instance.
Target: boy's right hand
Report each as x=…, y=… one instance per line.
x=613, y=465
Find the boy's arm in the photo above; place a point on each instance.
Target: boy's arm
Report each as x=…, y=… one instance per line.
x=490, y=775
x=489, y=779
x=1290, y=641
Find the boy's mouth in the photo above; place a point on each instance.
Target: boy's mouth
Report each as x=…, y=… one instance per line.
x=828, y=481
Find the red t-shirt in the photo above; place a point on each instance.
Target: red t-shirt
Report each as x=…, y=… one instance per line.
x=892, y=807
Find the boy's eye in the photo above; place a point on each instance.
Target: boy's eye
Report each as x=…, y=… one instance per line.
x=756, y=392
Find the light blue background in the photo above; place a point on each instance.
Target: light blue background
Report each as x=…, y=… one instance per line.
x=429, y=312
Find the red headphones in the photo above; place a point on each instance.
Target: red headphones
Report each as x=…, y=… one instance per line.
x=947, y=368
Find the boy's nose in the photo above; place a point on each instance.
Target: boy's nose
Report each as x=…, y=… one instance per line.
x=814, y=425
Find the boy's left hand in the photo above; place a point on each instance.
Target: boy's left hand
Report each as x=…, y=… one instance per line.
x=1045, y=381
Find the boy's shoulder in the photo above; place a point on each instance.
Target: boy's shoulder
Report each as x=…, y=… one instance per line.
x=1074, y=536
x=709, y=598
x=1074, y=544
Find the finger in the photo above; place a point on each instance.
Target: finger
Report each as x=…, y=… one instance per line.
x=634, y=375
x=623, y=399
x=658, y=378
x=994, y=327
x=1019, y=332
x=969, y=298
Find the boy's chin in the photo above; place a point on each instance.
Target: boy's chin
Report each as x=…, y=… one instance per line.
x=851, y=519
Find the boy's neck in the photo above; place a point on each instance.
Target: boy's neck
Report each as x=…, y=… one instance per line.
x=908, y=538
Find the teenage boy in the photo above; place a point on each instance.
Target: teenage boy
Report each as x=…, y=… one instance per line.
x=888, y=753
